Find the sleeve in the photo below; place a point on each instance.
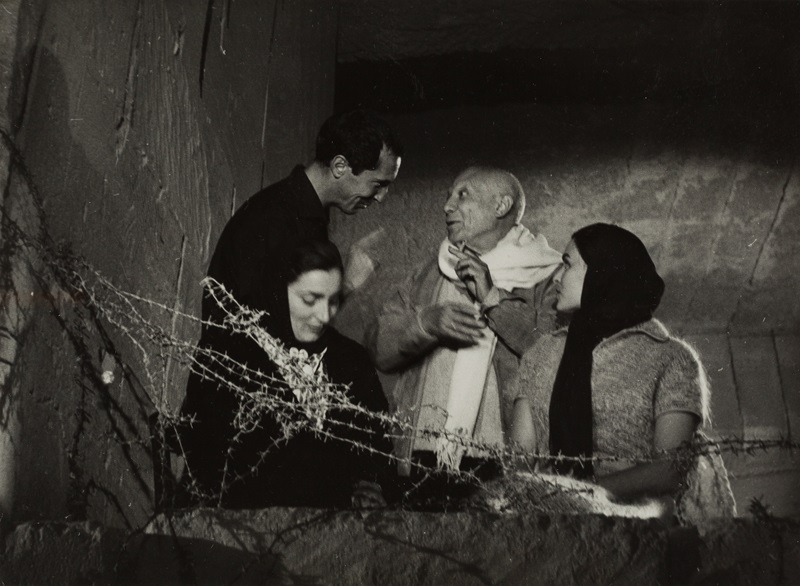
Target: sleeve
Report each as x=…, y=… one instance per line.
x=396, y=337
x=255, y=253
x=533, y=384
x=522, y=316
x=682, y=385
x=368, y=427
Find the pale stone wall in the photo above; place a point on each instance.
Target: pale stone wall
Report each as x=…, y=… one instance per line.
x=712, y=191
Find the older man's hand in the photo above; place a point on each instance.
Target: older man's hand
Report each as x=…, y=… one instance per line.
x=473, y=272
x=453, y=322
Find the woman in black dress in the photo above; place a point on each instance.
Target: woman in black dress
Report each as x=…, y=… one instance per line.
x=280, y=458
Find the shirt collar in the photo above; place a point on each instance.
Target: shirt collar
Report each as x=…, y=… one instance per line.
x=307, y=201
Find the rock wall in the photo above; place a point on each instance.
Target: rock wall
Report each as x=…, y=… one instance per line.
x=132, y=130
x=712, y=191
x=138, y=128
x=290, y=546
x=711, y=188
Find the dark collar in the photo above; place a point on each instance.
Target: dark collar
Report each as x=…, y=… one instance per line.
x=306, y=200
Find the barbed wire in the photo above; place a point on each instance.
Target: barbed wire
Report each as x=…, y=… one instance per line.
x=312, y=397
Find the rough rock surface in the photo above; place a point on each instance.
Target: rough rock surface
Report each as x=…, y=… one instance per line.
x=291, y=546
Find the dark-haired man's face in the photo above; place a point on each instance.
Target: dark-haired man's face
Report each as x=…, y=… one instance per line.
x=362, y=190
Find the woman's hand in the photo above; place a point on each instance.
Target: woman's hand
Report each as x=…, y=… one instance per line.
x=367, y=495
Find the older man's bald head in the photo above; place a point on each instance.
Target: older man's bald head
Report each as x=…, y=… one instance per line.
x=483, y=205
x=498, y=182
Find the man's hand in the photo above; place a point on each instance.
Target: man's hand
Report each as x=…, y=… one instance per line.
x=360, y=267
x=453, y=322
x=473, y=272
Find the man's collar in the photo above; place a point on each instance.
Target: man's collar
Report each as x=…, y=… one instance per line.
x=307, y=200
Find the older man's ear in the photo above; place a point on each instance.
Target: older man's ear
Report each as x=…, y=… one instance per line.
x=504, y=205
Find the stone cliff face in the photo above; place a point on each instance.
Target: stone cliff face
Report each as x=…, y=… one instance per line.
x=132, y=131
x=677, y=122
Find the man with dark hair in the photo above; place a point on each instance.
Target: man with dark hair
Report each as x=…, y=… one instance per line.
x=357, y=158
x=359, y=136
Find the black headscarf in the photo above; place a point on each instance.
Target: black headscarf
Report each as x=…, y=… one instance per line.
x=212, y=403
x=273, y=299
x=621, y=289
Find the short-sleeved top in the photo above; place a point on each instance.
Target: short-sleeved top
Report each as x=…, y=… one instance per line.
x=638, y=375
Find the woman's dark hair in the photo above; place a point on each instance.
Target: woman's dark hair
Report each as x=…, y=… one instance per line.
x=359, y=136
x=621, y=279
x=620, y=290
x=312, y=255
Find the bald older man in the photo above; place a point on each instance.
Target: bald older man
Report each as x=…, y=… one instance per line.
x=455, y=329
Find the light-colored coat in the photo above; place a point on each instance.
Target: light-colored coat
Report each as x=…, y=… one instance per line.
x=397, y=342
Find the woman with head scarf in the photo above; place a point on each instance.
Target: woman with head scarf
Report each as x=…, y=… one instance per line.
x=241, y=454
x=612, y=398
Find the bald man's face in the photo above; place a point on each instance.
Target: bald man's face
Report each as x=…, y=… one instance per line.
x=471, y=213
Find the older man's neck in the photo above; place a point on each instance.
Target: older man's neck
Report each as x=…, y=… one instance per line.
x=488, y=241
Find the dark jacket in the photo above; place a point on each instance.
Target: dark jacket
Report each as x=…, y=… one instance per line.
x=261, y=468
x=249, y=261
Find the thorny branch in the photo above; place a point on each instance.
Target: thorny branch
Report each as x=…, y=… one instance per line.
x=74, y=282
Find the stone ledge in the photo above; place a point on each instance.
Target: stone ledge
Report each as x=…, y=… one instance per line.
x=288, y=546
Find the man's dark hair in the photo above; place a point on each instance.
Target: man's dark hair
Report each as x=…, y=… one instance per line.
x=359, y=136
x=312, y=255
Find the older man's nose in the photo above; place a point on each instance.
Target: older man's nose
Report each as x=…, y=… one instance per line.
x=450, y=204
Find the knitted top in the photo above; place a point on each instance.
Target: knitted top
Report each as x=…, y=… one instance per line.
x=638, y=374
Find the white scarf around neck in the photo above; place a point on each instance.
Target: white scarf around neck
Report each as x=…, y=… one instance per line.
x=520, y=260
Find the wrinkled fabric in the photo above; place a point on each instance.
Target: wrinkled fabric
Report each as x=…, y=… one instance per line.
x=520, y=260
x=397, y=343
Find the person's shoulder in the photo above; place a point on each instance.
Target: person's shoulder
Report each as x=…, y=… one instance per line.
x=346, y=346
x=683, y=353
x=651, y=331
x=654, y=334
x=550, y=343
x=274, y=195
x=346, y=359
